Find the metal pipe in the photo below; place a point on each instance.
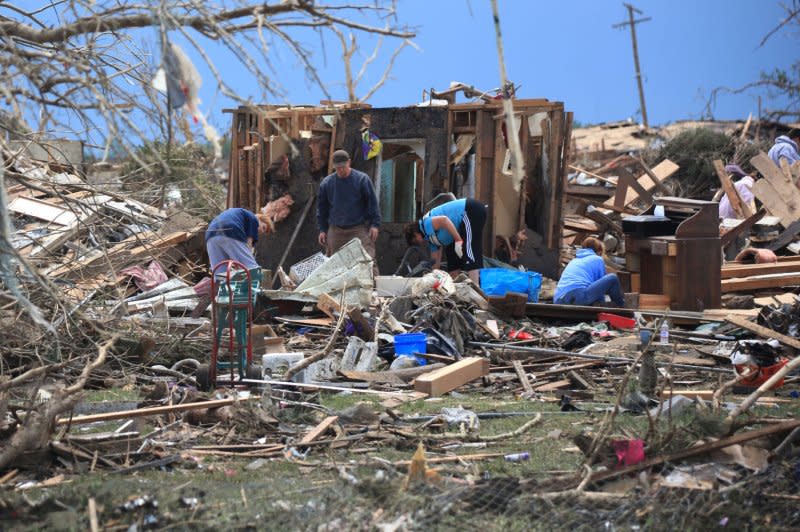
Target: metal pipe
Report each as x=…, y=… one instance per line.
x=556, y=352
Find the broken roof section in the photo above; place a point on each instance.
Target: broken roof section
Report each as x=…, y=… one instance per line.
x=440, y=148
x=626, y=136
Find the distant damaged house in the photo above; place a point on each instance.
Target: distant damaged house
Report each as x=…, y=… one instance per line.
x=458, y=148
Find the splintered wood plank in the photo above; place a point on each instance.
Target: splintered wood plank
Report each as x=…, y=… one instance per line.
x=553, y=386
x=785, y=237
x=319, y=430
x=776, y=191
x=491, y=327
x=778, y=280
x=328, y=305
x=739, y=207
x=662, y=170
x=523, y=378
x=787, y=298
x=746, y=270
x=579, y=223
x=763, y=331
x=451, y=377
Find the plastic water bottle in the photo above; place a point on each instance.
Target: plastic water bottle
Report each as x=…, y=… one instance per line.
x=517, y=457
x=664, y=333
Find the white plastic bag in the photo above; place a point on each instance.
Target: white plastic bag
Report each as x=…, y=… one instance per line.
x=436, y=281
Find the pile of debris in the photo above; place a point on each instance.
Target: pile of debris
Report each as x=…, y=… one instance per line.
x=89, y=241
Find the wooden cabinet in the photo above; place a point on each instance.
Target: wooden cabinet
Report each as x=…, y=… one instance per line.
x=684, y=266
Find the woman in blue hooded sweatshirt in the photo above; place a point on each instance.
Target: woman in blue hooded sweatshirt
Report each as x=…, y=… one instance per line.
x=584, y=280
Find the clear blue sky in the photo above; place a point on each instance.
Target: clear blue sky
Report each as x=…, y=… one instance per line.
x=564, y=50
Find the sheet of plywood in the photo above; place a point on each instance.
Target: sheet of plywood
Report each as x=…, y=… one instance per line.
x=451, y=377
x=662, y=170
x=42, y=210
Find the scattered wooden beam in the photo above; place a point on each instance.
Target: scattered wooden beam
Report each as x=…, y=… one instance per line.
x=553, y=386
x=778, y=280
x=746, y=270
x=94, y=523
x=451, y=377
x=739, y=207
x=144, y=412
x=662, y=171
x=329, y=306
x=523, y=377
x=776, y=191
x=785, y=237
x=763, y=331
x=319, y=430
x=8, y=476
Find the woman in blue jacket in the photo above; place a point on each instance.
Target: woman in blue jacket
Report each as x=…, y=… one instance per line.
x=585, y=281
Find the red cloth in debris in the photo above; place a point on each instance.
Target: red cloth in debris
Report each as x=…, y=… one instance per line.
x=146, y=279
x=519, y=335
x=629, y=452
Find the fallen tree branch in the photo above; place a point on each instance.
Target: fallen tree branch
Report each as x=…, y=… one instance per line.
x=40, y=423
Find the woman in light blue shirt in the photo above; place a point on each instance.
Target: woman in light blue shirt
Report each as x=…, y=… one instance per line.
x=456, y=227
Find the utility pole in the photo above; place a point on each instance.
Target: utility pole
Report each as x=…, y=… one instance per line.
x=632, y=23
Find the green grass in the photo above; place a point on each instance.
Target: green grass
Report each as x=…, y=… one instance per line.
x=283, y=494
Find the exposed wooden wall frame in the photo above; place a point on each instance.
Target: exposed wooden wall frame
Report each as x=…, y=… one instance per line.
x=544, y=158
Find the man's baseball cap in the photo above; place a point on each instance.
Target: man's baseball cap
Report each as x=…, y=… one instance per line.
x=340, y=158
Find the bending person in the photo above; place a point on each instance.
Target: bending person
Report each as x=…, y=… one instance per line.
x=585, y=281
x=232, y=235
x=456, y=226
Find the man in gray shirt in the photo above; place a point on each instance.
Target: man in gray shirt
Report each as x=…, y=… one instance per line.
x=347, y=208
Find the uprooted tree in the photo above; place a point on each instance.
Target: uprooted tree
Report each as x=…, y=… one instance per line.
x=88, y=70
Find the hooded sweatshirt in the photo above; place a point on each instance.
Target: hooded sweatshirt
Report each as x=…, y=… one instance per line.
x=743, y=187
x=586, y=268
x=784, y=148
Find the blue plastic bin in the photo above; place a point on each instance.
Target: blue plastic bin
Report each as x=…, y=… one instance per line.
x=498, y=281
x=409, y=343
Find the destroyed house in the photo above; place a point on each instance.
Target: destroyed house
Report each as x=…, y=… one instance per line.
x=458, y=148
